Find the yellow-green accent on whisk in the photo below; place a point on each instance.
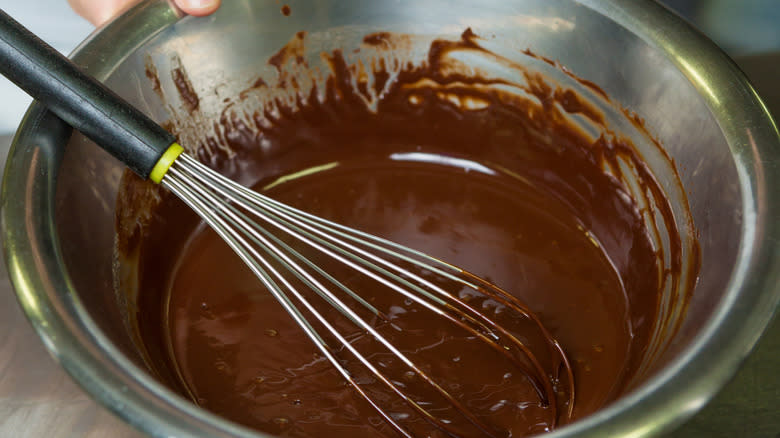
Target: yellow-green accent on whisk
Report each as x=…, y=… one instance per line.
x=165, y=162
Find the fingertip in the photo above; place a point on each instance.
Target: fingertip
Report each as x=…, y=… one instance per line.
x=198, y=8
x=98, y=13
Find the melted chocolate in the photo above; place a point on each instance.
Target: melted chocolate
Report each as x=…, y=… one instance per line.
x=188, y=96
x=450, y=164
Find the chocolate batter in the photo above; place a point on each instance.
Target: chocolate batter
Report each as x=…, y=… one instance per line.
x=453, y=165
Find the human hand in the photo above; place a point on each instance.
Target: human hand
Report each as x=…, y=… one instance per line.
x=100, y=11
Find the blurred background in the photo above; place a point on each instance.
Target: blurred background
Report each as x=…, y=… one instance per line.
x=741, y=27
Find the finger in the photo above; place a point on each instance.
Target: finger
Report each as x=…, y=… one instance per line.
x=100, y=11
x=198, y=7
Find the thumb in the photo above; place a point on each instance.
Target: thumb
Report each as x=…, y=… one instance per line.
x=198, y=7
x=98, y=12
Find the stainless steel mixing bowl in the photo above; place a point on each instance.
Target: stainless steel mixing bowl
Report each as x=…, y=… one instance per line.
x=59, y=191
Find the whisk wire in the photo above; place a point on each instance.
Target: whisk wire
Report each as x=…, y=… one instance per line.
x=303, y=230
x=223, y=204
x=329, y=230
x=286, y=222
x=236, y=241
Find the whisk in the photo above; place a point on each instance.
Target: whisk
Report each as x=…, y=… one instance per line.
x=282, y=245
